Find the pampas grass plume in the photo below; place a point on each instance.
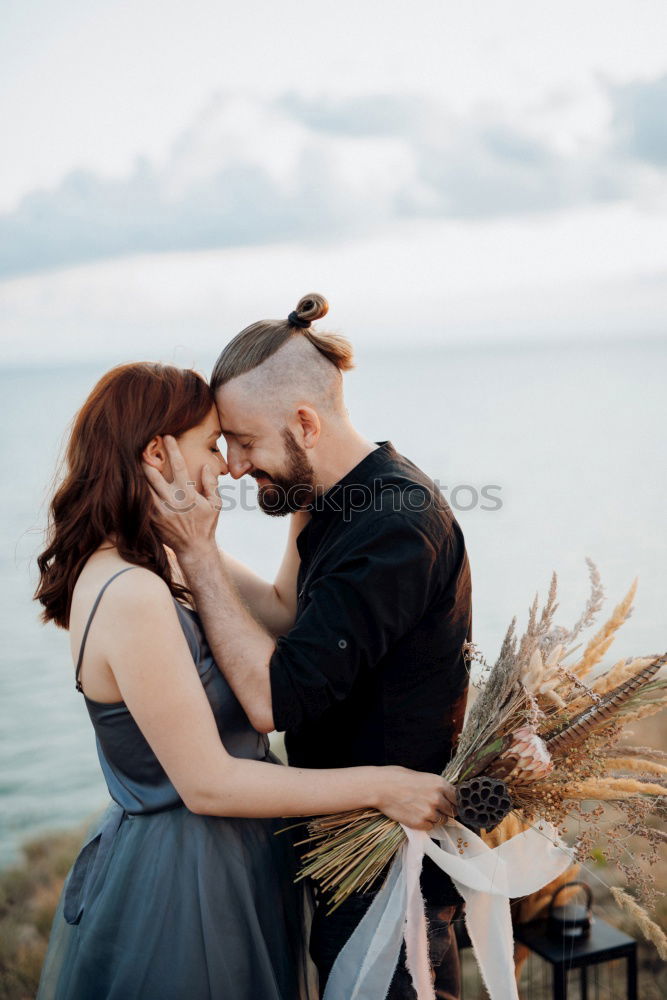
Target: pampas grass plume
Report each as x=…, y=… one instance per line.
x=648, y=927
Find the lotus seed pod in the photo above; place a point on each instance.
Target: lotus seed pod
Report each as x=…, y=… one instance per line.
x=482, y=802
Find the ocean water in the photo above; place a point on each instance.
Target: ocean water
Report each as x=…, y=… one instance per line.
x=547, y=454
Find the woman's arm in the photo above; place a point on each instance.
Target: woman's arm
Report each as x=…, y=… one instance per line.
x=148, y=654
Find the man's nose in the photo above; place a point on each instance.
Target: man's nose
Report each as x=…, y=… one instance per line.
x=237, y=466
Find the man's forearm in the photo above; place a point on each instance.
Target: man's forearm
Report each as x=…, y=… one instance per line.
x=272, y=604
x=241, y=647
x=265, y=602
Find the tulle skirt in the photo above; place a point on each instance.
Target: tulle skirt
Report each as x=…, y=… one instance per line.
x=180, y=906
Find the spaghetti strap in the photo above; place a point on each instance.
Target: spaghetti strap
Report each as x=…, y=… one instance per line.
x=88, y=623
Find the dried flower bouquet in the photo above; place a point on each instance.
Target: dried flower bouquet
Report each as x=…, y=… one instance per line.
x=541, y=739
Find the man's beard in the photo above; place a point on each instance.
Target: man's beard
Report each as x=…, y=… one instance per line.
x=293, y=488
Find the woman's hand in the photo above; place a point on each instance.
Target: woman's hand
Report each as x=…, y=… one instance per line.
x=413, y=798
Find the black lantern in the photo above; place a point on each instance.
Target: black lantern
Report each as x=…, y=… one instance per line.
x=573, y=920
x=574, y=955
x=573, y=942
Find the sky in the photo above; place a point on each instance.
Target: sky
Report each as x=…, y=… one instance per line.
x=442, y=172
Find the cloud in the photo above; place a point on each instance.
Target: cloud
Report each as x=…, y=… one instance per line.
x=639, y=120
x=250, y=172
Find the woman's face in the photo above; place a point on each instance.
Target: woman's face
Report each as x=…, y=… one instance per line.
x=199, y=447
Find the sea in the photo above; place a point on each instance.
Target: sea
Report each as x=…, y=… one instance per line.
x=548, y=453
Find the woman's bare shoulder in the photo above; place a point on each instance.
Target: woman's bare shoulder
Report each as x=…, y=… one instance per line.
x=141, y=586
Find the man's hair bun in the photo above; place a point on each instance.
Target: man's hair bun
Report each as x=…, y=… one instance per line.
x=309, y=309
x=259, y=341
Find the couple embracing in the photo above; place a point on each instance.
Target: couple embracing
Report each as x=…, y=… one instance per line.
x=187, y=659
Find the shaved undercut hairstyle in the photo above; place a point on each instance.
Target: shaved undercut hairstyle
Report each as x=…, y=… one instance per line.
x=259, y=342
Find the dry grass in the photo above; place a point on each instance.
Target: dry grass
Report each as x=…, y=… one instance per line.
x=604, y=637
x=651, y=931
x=624, y=763
x=29, y=893
x=610, y=789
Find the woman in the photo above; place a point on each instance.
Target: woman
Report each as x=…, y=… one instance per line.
x=182, y=890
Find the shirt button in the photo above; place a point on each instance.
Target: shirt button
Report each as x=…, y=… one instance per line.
x=342, y=643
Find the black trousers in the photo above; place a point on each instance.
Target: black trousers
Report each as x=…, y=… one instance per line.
x=330, y=932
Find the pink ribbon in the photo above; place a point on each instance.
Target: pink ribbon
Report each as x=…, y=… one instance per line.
x=487, y=878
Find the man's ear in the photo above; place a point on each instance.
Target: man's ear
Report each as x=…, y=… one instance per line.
x=310, y=425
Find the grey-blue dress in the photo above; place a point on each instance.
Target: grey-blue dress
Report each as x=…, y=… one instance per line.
x=165, y=904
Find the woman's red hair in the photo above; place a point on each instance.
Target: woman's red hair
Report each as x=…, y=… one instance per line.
x=103, y=491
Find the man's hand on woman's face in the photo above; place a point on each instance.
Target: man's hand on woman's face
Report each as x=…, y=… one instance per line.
x=186, y=519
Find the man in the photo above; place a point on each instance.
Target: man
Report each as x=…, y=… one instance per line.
x=367, y=666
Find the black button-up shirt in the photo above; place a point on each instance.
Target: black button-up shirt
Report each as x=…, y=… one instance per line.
x=372, y=672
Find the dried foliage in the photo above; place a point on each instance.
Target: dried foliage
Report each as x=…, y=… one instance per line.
x=554, y=737
x=603, y=639
x=649, y=929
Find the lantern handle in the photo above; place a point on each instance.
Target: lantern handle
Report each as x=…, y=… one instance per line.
x=565, y=885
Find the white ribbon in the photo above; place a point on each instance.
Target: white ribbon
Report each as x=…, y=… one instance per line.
x=485, y=877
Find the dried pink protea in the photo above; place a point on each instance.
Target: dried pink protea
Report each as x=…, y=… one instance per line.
x=529, y=750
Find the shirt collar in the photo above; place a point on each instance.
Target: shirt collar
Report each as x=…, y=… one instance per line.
x=348, y=493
